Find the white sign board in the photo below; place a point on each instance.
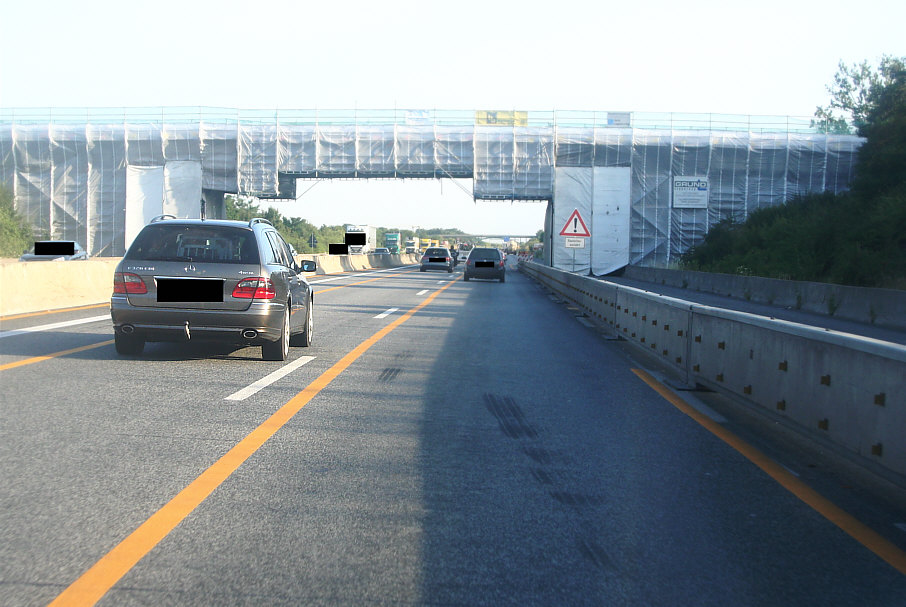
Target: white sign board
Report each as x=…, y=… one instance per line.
x=573, y=242
x=690, y=192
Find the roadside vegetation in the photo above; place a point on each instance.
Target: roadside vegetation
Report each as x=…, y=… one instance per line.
x=856, y=238
x=15, y=233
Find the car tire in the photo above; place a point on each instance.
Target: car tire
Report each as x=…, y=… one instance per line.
x=449, y=270
x=503, y=278
x=128, y=345
x=421, y=269
x=465, y=277
x=304, y=338
x=278, y=350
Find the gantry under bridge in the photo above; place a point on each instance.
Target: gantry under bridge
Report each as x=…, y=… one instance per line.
x=97, y=175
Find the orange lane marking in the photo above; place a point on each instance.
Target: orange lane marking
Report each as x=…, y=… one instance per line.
x=29, y=314
x=37, y=359
x=100, y=578
x=856, y=529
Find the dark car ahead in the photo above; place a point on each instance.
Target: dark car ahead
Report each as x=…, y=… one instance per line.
x=195, y=279
x=55, y=250
x=485, y=263
x=437, y=258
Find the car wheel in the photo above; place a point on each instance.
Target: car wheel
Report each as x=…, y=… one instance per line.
x=421, y=269
x=278, y=350
x=304, y=339
x=449, y=270
x=465, y=277
x=128, y=345
x=503, y=278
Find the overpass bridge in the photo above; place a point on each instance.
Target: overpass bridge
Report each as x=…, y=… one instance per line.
x=97, y=175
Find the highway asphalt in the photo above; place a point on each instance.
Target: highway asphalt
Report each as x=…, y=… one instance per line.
x=447, y=443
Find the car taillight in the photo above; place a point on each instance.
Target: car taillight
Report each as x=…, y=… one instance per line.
x=501, y=263
x=125, y=282
x=255, y=288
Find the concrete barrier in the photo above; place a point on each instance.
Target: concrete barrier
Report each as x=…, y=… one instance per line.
x=34, y=286
x=841, y=389
x=881, y=307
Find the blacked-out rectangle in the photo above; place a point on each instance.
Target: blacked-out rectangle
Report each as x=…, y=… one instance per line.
x=58, y=247
x=484, y=264
x=355, y=239
x=195, y=290
x=335, y=248
x=437, y=259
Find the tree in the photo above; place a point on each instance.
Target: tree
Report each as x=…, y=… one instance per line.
x=855, y=92
x=15, y=232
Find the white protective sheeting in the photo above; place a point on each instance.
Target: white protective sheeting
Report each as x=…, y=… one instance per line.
x=495, y=162
x=144, y=198
x=454, y=153
x=534, y=163
x=69, y=180
x=651, y=151
x=258, y=160
x=374, y=153
x=414, y=151
x=219, y=156
x=691, y=157
x=182, y=188
x=572, y=192
x=106, y=190
x=336, y=151
x=610, y=219
x=297, y=151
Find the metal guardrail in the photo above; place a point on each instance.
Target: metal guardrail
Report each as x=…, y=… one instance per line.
x=404, y=117
x=842, y=389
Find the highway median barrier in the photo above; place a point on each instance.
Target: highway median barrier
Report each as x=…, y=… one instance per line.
x=842, y=390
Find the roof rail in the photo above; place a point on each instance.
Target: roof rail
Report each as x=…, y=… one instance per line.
x=259, y=220
x=162, y=217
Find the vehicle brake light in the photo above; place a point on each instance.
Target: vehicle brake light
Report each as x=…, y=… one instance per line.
x=125, y=282
x=255, y=288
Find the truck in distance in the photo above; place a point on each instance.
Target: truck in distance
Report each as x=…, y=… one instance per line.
x=392, y=242
x=360, y=239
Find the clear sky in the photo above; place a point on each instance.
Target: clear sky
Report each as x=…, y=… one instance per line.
x=769, y=57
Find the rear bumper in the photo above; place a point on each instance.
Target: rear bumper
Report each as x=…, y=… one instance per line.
x=170, y=324
x=494, y=273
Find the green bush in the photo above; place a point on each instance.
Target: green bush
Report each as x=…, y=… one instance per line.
x=16, y=235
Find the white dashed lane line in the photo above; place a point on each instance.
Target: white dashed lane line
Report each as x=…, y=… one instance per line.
x=270, y=378
x=55, y=325
x=387, y=313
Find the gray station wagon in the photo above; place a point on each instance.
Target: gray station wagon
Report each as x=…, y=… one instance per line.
x=196, y=279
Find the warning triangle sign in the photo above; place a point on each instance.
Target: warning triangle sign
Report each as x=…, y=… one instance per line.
x=575, y=226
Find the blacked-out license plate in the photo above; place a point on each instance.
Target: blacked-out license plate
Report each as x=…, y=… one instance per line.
x=195, y=290
x=437, y=259
x=484, y=264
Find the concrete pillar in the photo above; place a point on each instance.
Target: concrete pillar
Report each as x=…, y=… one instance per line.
x=213, y=202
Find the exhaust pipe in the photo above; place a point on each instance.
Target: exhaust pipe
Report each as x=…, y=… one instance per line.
x=127, y=329
x=249, y=333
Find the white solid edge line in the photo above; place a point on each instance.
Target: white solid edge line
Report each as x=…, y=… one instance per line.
x=269, y=378
x=56, y=325
x=317, y=282
x=423, y=291
x=387, y=313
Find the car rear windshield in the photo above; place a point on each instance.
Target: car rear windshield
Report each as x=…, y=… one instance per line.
x=214, y=244
x=486, y=254
x=432, y=252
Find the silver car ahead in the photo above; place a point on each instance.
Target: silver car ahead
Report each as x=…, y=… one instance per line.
x=196, y=279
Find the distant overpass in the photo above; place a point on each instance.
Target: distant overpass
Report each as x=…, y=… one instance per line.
x=646, y=186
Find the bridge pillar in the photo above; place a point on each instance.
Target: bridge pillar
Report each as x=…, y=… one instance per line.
x=213, y=203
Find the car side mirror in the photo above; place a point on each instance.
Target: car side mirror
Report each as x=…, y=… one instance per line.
x=308, y=265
